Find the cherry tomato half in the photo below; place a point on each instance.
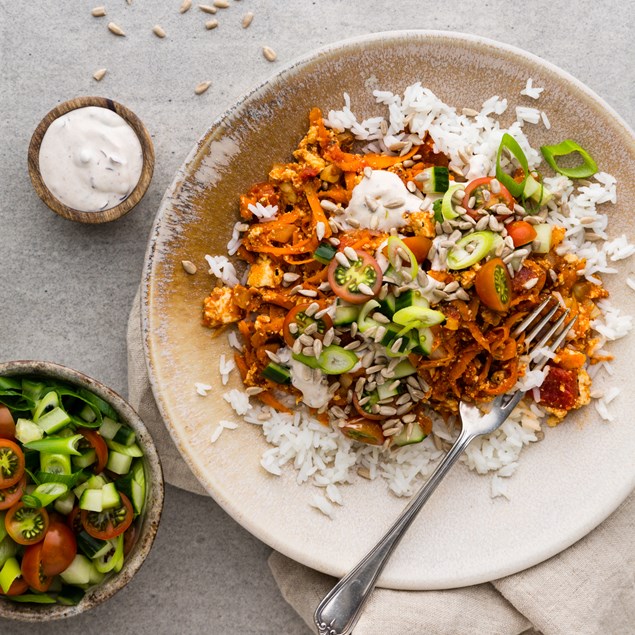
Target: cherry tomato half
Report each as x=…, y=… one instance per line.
x=298, y=317
x=521, y=232
x=32, y=569
x=493, y=285
x=109, y=523
x=364, y=431
x=26, y=525
x=11, y=463
x=345, y=281
x=476, y=189
x=11, y=495
x=59, y=549
x=419, y=246
x=94, y=440
x=129, y=539
x=74, y=520
x=7, y=424
x=365, y=410
x=19, y=586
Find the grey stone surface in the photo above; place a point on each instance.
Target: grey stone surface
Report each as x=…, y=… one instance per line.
x=66, y=288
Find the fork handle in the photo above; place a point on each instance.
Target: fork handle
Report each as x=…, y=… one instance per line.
x=340, y=609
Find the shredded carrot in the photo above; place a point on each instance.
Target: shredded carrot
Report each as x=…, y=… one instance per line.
x=269, y=400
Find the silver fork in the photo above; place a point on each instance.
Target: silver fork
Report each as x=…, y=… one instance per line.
x=341, y=608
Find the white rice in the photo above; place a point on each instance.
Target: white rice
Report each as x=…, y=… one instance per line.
x=326, y=458
x=226, y=366
x=202, y=389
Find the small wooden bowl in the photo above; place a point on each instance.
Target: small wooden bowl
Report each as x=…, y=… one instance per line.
x=106, y=215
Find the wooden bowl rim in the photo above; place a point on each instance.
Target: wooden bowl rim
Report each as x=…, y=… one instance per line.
x=112, y=213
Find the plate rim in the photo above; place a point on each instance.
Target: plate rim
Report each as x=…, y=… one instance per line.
x=341, y=46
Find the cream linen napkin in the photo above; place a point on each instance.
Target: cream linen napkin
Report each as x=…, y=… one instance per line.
x=589, y=589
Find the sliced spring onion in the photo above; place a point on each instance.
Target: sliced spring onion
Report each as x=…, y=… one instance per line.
x=55, y=463
x=471, y=249
x=324, y=253
x=108, y=562
x=53, y=420
x=447, y=209
x=307, y=360
x=70, y=480
x=57, y=445
x=335, y=360
x=276, y=372
x=49, y=401
x=34, y=598
x=509, y=143
x=568, y=146
x=397, y=250
x=44, y=495
x=363, y=321
x=418, y=315
x=8, y=574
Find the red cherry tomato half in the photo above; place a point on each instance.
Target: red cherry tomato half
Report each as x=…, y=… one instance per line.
x=7, y=424
x=419, y=246
x=345, y=281
x=364, y=431
x=26, y=525
x=109, y=523
x=11, y=495
x=59, y=549
x=96, y=442
x=493, y=285
x=32, y=570
x=18, y=587
x=298, y=317
x=129, y=539
x=364, y=410
x=74, y=520
x=521, y=232
x=485, y=201
x=11, y=463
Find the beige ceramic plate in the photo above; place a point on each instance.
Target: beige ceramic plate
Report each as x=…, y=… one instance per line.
x=564, y=487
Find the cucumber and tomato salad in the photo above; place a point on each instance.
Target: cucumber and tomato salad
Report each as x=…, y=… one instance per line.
x=72, y=486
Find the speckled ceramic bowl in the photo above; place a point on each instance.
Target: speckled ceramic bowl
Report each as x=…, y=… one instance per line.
x=154, y=496
x=564, y=486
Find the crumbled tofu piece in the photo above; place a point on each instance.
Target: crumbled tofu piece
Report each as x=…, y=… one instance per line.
x=422, y=224
x=219, y=308
x=263, y=273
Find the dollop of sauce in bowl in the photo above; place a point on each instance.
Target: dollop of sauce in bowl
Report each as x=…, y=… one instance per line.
x=90, y=159
x=380, y=200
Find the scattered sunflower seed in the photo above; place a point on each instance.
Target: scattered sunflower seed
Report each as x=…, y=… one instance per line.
x=211, y=24
x=116, y=29
x=158, y=31
x=221, y=4
x=98, y=75
x=247, y=19
x=188, y=266
x=202, y=87
x=99, y=12
x=185, y=6
x=206, y=8
x=269, y=53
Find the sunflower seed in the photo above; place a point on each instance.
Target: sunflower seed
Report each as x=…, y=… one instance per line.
x=394, y=203
x=334, y=241
x=307, y=350
x=116, y=29
x=469, y=112
x=311, y=329
x=306, y=339
x=309, y=293
x=381, y=318
x=396, y=345
x=98, y=75
x=188, y=266
x=367, y=359
x=311, y=310
x=206, y=8
x=272, y=356
x=353, y=345
x=158, y=31
x=202, y=87
x=185, y=6
x=495, y=186
x=329, y=206
x=247, y=19
x=351, y=254
x=290, y=277
x=211, y=24
x=297, y=347
x=221, y=4
x=293, y=328
x=353, y=222
x=387, y=411
x=368, y=172
x=328, y=337
x=317, y=347
x=342, y=259
x=268, y=52
x=99, y=12
x=253, y=390
x=380, y=331
x=365, y=289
